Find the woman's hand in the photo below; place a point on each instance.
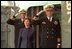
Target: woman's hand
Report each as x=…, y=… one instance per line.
x=58, y=45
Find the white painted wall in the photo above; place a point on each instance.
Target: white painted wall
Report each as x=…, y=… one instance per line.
x=26, y=4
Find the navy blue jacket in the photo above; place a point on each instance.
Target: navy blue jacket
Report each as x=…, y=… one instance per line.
x=49, y=32
x=25, y=38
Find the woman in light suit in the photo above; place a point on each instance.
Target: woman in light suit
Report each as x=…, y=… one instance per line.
x=25, y=39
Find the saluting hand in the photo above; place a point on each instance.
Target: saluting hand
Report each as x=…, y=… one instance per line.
x=40, y=12
x=12, y=17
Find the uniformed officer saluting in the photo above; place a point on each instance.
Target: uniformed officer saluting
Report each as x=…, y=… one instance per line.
x=18, y=23
x=50, y=31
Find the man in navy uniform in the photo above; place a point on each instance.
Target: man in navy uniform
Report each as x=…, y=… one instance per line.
x=50, y=30
x=18, y=23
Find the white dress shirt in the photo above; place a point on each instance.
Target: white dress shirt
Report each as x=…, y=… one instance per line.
x=49, y=18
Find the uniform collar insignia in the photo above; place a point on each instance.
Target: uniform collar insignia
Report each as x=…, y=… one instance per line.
x=55, y=22
x=43, y=22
